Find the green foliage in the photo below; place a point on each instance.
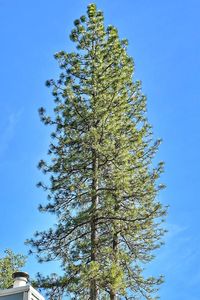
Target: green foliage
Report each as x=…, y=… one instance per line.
x=9, y=264
x=103, y=186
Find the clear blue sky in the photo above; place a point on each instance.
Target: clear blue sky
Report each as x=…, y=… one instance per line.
x=164, y=39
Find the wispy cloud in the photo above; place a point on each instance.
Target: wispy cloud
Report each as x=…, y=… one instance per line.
x=180, y=254
x=8, y=131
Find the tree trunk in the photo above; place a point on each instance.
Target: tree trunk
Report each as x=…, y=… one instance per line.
x=93, y=285
x=115, y=248
x=113, y=295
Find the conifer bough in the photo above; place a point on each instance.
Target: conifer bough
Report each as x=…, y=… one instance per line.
x=103, y=187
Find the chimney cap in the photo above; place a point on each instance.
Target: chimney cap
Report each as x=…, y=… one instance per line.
x=20, y=274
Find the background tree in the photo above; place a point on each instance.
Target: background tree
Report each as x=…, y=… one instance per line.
x=9, y=264
x=103, y=186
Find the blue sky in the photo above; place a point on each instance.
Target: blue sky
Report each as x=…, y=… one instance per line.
x=164, y=39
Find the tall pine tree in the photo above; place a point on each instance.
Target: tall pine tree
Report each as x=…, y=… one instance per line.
x=103, y=187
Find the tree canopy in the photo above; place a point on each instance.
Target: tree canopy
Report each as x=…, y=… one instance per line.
x=9, y=264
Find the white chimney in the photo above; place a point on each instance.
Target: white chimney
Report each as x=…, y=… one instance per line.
x=21, y=289
x=20, y=279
